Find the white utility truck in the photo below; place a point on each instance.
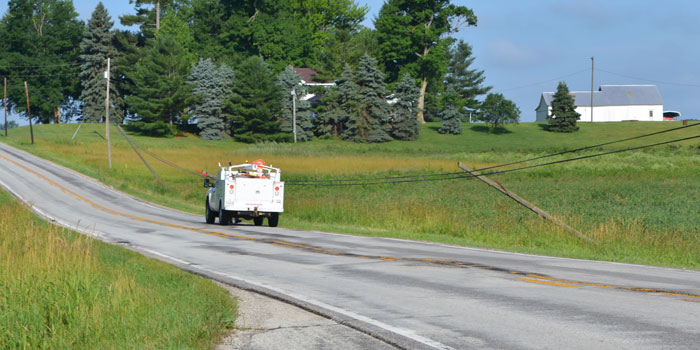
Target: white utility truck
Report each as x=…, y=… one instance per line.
x=245, y=191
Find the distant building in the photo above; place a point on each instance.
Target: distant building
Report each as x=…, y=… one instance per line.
x=307, y=77
x=612, y=103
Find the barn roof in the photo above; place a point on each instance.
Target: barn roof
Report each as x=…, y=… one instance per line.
x=615, y=95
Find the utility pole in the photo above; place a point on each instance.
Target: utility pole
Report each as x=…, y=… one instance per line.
x=592, y=64
x=157, y=16
x=294, y=114
x=29, y=111
x=109, y=147
x=4, y=101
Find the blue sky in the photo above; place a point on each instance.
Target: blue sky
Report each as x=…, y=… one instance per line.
x=526, y=47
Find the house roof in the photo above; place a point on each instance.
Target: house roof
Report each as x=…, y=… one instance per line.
x=614, y=95
x=307, y=74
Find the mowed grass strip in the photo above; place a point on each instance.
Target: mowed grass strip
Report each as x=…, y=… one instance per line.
x=640, y=207
x=63, y=290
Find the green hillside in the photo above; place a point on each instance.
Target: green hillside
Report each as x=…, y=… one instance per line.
x=639, y=206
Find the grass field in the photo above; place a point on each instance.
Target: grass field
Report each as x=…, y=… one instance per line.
x=63, y=290
x=640, y=207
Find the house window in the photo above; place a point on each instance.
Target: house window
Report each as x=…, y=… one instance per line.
x=651, y=114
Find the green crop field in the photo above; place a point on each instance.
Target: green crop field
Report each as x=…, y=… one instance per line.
x=63, y=290
x=641, y=206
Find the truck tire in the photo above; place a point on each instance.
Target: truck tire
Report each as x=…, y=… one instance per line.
x=273, y=220
x=210, y=215
x=258, y=220
x=224, y=216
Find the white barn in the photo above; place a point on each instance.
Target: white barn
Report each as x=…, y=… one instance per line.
x=612, y=103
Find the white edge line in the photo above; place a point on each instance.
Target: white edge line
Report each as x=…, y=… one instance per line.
x=400, y=331
x=410, y=334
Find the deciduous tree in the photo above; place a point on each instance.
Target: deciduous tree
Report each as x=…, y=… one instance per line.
x=40, y=40
x=410, y=30
x=496, y=109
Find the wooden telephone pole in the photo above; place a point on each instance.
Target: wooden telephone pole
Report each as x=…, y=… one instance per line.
x=4, y=101
x=109, y=147
x=29, y=111
x=592, y=64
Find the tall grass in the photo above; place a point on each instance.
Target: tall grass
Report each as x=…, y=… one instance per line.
x=640, y=206
x=62, y=290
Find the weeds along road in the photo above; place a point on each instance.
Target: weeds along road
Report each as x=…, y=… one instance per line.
x=409, y=294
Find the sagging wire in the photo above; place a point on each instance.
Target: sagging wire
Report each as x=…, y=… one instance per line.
x=446, y=175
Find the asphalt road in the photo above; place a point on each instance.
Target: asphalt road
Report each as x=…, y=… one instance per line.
x=409, y=294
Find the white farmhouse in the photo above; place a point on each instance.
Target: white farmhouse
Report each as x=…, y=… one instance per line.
x=611, y=103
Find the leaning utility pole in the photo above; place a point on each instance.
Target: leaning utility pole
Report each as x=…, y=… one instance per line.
x=592, y=64
x=4, y=101
x=109, y=147
x=29, y=111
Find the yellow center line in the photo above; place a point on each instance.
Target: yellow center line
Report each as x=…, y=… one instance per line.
x=548, y=283
x=539, y=278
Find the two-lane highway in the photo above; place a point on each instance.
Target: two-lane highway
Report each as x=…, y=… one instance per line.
x=410, y=294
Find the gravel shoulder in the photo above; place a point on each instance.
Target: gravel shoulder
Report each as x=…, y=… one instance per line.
x=267, y=323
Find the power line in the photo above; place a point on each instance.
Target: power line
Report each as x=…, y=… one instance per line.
x=544, y=81
x=44, y=65
x=498, y=172
x=648, y=80
x=310, y=182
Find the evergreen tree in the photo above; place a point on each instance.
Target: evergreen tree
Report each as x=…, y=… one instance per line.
x=211, y=87
x=95, y=48
x=336, y=108
x=451, y=116
x=160, y=93
x=256, y=103
x=564, y=115
x=40, y=45
x=369, y=121
x=289, y=80
x=468, y=83
x=496, y=110
x=404, y=125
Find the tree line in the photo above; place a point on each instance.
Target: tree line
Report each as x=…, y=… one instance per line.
x=226, y=67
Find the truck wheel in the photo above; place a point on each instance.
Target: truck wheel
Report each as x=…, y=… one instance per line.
x=273, y=220
x=258, y=220
x=224, y=216
x=210, y=215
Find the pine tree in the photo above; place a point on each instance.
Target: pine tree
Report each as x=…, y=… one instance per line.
x=468, y=83
x=95, y=48
x=289, y=80
x=451, y=116
x=404, y=125
x=211, y=87
x=337, y=106
x=564, y=115
x=256, y=103
x=160, y=93
x=369, y=121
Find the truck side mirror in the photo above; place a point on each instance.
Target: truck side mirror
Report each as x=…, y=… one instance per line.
x=207, y=184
